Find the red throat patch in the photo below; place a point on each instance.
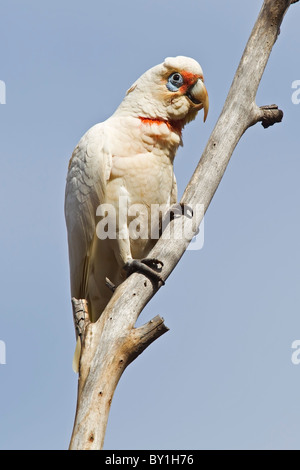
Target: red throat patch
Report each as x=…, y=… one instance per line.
x=174, y=126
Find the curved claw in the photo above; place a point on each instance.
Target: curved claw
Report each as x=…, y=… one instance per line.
x=156, y=263
x=144, y=266
x=181, y=209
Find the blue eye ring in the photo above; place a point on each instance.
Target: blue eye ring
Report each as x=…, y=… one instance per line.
x=175, y=81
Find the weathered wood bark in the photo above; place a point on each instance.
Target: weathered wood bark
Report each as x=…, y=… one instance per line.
x=111, y=343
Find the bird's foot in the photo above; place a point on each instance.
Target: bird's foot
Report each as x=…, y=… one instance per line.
x=151, y=267
x=180, y=209
x=176, y=210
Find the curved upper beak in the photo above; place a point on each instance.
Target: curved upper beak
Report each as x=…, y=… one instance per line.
x=199, y=96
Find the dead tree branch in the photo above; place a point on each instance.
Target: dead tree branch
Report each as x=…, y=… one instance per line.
x=111, y=343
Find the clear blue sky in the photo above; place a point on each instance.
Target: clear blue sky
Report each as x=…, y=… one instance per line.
x=222, y=377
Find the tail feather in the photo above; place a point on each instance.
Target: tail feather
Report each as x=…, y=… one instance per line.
x=76, y=357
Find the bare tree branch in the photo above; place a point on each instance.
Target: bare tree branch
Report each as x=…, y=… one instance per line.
x=270, y=115
x=111, y=343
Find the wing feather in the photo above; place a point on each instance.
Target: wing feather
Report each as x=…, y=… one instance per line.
x=173, y=198
x=89, y=170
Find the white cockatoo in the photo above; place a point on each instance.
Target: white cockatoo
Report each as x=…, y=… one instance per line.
x=128, y=158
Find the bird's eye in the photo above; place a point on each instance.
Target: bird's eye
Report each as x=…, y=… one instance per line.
x=175, y=81
x=176, y=77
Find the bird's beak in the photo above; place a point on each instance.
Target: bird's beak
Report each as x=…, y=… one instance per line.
x=197, y=93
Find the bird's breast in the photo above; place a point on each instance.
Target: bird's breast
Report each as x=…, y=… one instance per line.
x=146, y=178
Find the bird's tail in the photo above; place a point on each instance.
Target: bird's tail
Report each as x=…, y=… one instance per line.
x=76, y=357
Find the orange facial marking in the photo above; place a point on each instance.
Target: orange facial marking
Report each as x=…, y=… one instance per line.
x=189, y=79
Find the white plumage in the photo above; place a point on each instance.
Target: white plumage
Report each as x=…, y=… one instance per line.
x=131, y=155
